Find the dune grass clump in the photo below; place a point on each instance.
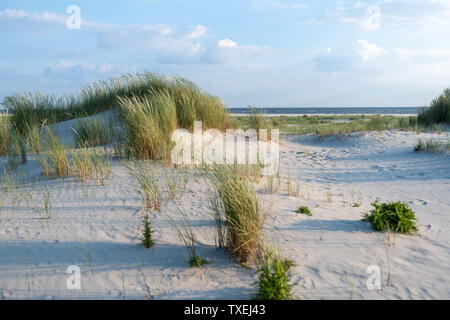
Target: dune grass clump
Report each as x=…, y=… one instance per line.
x=92, y=132
x=31, y=109
x=194, y=104
x=437, y=112
x=53, y=159
x=392, y=217
x=149, y=123
x=431, y=146
x=88, y=163
x=236, y=206
x=16, y=150
x=149, y=189
x=274, y=278
x=257, y=120
x=304, y=210
x=4, y=129
x=191, y=103
x=292, y=188
x=271, y=185
x=33, y=137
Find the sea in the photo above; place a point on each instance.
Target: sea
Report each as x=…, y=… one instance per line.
x=332, y=110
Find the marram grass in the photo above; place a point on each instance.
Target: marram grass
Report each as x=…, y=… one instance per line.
x=437, y=112
x=191, y=102
x=149, y=122
x=237, y=206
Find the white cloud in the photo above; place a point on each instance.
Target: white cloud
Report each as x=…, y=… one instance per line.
x=369, y=51
x=168, y=44
x=77, y=71
x=287, y=4
x=226, y=43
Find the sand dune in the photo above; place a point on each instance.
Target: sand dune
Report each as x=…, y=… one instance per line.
x=96, y=228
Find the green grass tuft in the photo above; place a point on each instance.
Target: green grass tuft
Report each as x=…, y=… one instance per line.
x=196, y=261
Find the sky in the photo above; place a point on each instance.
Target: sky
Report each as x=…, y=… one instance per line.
x=264, y=53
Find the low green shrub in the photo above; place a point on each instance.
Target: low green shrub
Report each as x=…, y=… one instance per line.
x=392, y=216
x=274, y=278
x=304, y=210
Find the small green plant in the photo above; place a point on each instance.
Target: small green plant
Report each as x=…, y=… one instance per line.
x=196, y=261
x=304, y=210
x=357, y=198
x=147, y=232
x=420, y=146
x=393, y=216
x=274, y=278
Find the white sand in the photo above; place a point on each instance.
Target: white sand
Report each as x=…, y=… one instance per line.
x=332, y=248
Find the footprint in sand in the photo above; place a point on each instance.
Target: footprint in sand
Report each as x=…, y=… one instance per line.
x=419, y=202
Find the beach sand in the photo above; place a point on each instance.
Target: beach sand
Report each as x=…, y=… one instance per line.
x=97, y=228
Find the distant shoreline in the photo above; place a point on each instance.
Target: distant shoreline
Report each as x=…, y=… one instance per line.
x=324, y=114
x=324, y=111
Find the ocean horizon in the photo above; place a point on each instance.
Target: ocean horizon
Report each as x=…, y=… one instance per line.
x=330, y=110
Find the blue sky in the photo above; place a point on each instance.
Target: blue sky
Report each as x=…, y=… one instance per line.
x=272, y=53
